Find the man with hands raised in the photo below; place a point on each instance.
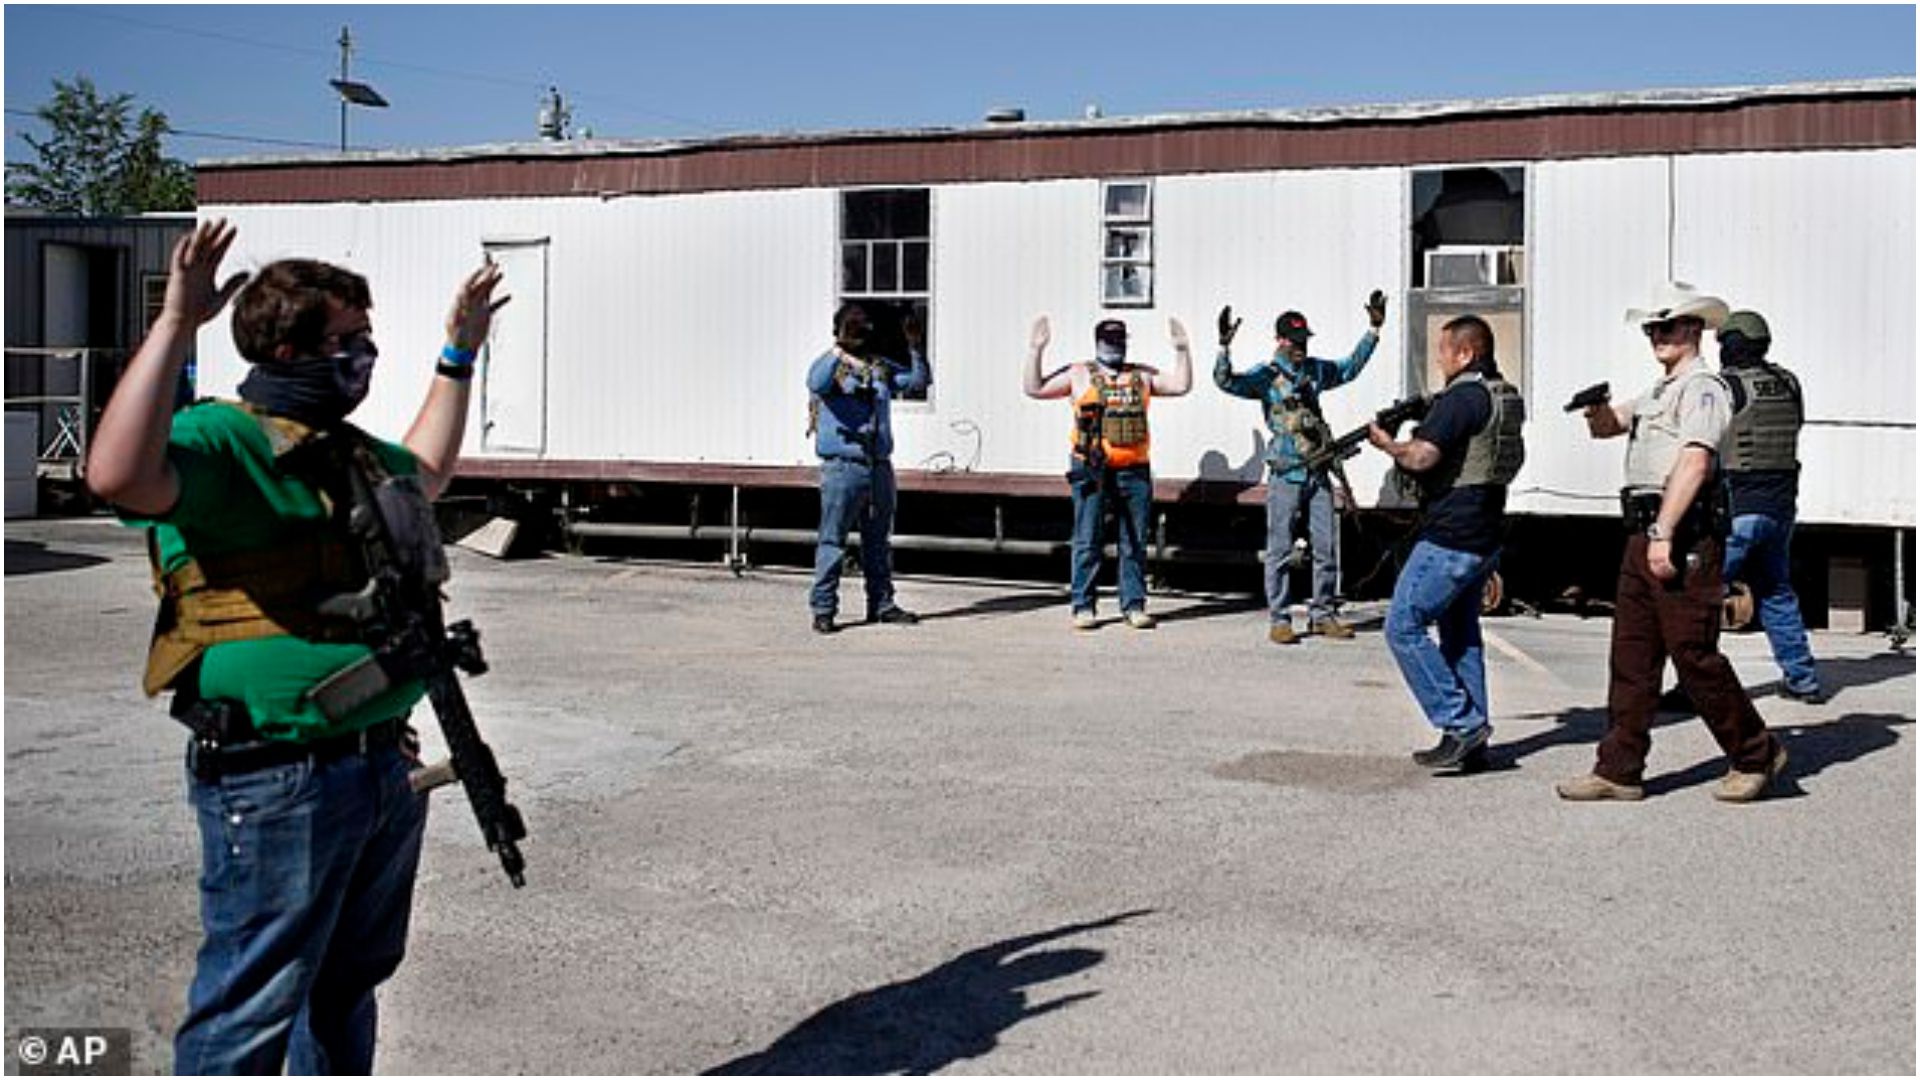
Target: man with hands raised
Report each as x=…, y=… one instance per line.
x=1288, y=387
x=1111, y=455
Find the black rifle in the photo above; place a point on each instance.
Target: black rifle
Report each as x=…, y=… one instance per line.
x=1346, y=446
x=1089, y=421
x=399, y=612
x=1597, y=394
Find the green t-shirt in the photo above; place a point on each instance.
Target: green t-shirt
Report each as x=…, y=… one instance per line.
x=233, y=498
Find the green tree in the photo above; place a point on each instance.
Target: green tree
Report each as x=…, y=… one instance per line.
x=100, y=158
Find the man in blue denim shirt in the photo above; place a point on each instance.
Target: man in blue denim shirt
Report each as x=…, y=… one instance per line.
x=852, y=426
x=1288, y=386
x=1463, y=455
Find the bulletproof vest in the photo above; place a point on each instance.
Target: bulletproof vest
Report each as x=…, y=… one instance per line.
x=1123, y=420
x=1496, y=452
x=1765, y=433
x=1298, y=414
x=237, y=596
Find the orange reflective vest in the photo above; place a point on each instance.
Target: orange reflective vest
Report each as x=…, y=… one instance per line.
x=1121, y=405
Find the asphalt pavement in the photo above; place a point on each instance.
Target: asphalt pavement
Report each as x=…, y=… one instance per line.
x=990, y=844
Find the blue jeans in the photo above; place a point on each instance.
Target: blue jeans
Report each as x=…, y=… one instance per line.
x=854, y=495
x=1440, y=586
x=1134, y=489
x=306, y=885
x=1757, y=555
x=1283, y=501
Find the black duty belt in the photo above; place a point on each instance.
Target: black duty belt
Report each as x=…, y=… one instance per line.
x=211, y=759
x=1704, y=518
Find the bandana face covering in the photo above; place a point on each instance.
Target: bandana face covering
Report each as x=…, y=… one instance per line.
x=1109, y=354
x=315, y=390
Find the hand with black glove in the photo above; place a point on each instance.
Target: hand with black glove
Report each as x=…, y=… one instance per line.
x=1228, y=326
x=1376, y=309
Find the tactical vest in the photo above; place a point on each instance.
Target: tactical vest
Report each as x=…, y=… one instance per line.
x=1496, y=452
x=1293, y=415
x=238, y=596
x=1765, y=433
x=1123, y=417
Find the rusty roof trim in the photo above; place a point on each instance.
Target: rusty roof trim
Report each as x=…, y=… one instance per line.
x=1319, y=116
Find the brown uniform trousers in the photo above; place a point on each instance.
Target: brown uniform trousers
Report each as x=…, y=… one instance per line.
x=1654, y=620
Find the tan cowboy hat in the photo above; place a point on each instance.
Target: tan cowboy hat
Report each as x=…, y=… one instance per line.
x=1677, y=299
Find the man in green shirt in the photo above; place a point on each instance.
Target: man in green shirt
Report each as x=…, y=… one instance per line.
x=310, y=832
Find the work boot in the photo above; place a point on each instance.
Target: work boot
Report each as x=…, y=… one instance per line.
x=1282, y=633
x=1812, y=695
x=1596, y=788
x=1748, y=786
x=1140, y=620
x=1083, y=619
x=1454, y=748
x=1333, y=628
x=823, y=624
x=894, y=615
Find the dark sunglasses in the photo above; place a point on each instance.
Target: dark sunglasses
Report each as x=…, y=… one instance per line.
x=360, y=341
x=1658, y=330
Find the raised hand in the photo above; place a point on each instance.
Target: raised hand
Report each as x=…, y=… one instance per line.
x=1377, y=309
x=191, y=296
x=1042, y=333
x=1228, y=326
x=1178, y=332
x=911, y=329
x=473, y=307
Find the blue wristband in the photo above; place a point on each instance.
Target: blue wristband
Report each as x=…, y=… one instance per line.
x=453, y=354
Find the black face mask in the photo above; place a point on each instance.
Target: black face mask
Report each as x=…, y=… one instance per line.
x=314, y=390
x=1738, y=349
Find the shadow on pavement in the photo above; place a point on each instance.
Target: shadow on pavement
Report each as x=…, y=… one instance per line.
x=1207, y=609
x=34, y=557
x=1811, y=748
x=951, y=1013
x=1011, y=604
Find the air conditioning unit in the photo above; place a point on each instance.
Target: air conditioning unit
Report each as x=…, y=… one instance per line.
x=1454, y=265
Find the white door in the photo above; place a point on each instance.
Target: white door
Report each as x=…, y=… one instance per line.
x=513, y=372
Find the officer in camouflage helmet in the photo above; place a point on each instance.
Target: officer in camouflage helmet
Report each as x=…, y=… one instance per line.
x=1763, y=471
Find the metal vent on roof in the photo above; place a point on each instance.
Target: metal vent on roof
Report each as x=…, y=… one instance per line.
x=1006, y=116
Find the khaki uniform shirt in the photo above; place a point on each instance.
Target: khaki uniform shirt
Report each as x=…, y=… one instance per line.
x=1690, y=407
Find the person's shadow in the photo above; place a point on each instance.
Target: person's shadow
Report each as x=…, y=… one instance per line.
x=1010, y=604
x=1811, y=748
x=34, y=557
x=951, y=1013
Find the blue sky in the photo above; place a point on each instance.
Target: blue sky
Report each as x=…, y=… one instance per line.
x=465, y=74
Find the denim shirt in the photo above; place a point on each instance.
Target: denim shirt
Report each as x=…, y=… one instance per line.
x=856, y=418
x=1275, y=380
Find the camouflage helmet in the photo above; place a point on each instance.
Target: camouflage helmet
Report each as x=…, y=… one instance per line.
x=1749, y=325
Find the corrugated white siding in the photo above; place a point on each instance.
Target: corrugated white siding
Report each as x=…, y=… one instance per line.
x=1597, y=242
x=680, y=327
x=1823, y=246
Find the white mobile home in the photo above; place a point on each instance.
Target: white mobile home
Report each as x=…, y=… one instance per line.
x=668, y=295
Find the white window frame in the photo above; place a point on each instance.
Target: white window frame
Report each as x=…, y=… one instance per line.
x=1139, y=226
x=924, y=297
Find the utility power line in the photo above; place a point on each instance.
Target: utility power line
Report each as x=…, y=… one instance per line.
x=518, y=83
x=220, y=136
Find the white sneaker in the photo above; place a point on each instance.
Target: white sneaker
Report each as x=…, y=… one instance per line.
x=1140, y=620
x=1083, y=619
